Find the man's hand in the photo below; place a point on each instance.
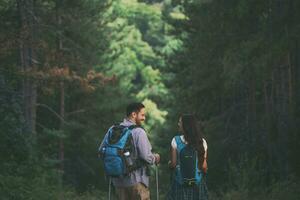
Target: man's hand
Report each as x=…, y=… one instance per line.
x=157, y=158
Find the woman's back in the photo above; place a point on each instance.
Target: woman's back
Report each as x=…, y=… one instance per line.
x=192, y=188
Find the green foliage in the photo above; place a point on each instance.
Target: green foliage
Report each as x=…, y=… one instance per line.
x=132, y=57
x=279, y=191
x=41, y=184
x=156, y=116
x=230, y=72
x=234, y=64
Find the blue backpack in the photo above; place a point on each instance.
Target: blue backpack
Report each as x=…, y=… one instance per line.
x=187, y=172
x=117, y=151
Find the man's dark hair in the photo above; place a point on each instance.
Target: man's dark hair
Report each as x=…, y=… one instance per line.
x=134, y=107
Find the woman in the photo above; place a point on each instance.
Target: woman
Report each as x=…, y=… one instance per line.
x=192, y=138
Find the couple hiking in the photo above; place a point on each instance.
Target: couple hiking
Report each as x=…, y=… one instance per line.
x=126, y=154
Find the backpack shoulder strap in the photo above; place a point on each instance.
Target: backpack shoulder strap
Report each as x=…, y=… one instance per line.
x=179, y=143
x=118, y=135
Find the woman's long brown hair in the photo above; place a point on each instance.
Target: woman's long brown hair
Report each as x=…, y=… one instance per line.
x=193, y=135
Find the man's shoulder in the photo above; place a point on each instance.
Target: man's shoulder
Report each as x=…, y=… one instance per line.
x=138, y=129
x=139, y=132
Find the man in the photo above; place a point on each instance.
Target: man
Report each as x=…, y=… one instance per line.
x=135, y=185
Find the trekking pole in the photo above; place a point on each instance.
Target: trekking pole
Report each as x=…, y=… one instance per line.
x=156, y=174
x=109, y=189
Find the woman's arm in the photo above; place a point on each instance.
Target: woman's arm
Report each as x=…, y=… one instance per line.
x=204, y=165
x=172, y=162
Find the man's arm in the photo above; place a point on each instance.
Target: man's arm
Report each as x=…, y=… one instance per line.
x=144, y=147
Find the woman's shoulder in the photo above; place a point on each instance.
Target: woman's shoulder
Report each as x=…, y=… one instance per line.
x=174, y=143
x=176, y=136
x=204, y=144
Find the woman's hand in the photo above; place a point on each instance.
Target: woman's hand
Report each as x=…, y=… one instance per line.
x=170, y=165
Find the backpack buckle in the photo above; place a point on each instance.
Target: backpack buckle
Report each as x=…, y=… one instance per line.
x=190, y=183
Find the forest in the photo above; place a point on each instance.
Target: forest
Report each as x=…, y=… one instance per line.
x=70, y=67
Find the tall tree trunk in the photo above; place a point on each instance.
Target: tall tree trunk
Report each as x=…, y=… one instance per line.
x=28, y=59
x=62, y=114
x=282, y=119
x=62, y=86
x=296, y=136
x=290, y=74
x=290, y=81
x=268, y=122
x=251, y=107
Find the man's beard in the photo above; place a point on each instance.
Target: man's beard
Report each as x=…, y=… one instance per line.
x=138, y=122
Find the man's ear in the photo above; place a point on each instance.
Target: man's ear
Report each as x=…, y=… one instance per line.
x=133, y=114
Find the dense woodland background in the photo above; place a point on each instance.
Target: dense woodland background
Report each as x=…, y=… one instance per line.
x=69, y=67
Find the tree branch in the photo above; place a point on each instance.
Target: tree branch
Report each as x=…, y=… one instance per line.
x=51, y=110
